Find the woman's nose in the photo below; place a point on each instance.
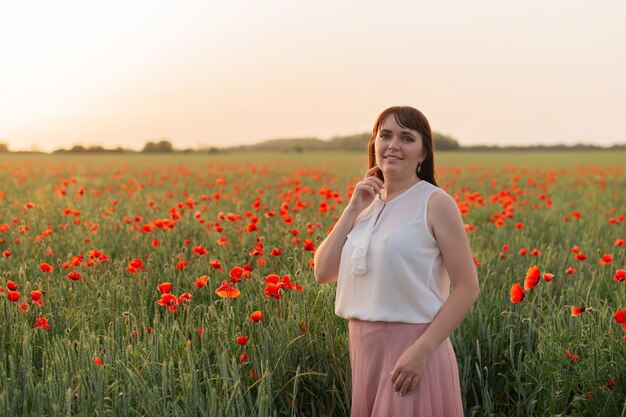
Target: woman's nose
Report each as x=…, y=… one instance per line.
x=393, y=143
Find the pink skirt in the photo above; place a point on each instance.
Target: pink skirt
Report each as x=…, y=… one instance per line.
x=375, y=347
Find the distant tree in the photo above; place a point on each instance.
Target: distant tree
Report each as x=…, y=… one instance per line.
x=162, y=147
x=356, y=142
x=96, y=148
x=78, y=149
x=4, y=147
x=445, y=142
x=149, y=147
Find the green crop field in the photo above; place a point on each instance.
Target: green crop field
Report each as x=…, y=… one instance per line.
x=91, y=327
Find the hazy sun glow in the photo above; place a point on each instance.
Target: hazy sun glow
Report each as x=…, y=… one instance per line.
x=208, y=73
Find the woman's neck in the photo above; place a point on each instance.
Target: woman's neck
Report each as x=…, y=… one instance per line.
x=394, y=187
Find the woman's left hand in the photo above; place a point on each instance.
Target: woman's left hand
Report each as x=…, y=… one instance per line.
x=408, y=369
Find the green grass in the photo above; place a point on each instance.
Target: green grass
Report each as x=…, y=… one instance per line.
x=511, y=357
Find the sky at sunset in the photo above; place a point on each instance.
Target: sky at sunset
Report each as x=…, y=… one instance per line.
x=221, y=73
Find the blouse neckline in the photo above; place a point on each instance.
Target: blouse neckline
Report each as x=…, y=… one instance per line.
x=399, y=195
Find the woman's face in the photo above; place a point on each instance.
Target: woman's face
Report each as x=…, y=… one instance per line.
x=398, y=149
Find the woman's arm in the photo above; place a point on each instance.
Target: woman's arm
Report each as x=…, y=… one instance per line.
x=448, y=229
x=328, y=254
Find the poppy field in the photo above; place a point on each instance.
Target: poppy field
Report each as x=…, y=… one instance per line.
x=183, y=284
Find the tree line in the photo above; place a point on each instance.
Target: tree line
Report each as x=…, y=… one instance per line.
x=357, y=142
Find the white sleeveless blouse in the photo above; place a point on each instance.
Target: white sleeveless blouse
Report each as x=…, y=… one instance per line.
x=391, y=268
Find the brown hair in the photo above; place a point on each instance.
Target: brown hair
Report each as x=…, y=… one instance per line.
x=409, y=118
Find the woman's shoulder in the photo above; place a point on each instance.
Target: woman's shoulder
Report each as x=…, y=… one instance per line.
x=442, y=207
x=440, y=199
x=435, y=194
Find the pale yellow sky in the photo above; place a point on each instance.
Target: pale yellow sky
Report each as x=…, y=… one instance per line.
x=216, y=73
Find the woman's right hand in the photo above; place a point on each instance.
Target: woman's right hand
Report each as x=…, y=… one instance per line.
x=366, y=190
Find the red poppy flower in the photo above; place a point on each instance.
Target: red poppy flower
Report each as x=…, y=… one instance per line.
x=77, y=260
x=548, y=277
x=181, y=265
x=200, y=250
x=13, y=296
x=575, y=249
x=235, y=274
x=257, y=251
x=607, y=259
x=620, y=316
x=286, y=283
x=276, y=252
x=522, y=251
x=309, y=245
x=226, y=290
x=42, y=322
x=243, y=357
x=581, y=256
x=273, y=290
x=97, y=361
x=256, y=316
x=74, y=276
x=185, y=297
x=12, y=285
x=535, y=252
x=620, y=275
x=517, y=293
x=168, y=300
x=619, y=242
x=165, y=287
x=215, y=263
x=36, y=297
x=24, y=306
x=271, y=279
x=201, y=282
x=242, y=340
x=45, y=267
x=532, y=277
x=577, y=311
x=570, y=271
x=571, y=356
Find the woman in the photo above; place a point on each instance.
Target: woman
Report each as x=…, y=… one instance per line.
x=395, y=251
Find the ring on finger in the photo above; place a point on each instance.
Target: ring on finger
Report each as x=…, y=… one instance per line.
x=407, y=381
